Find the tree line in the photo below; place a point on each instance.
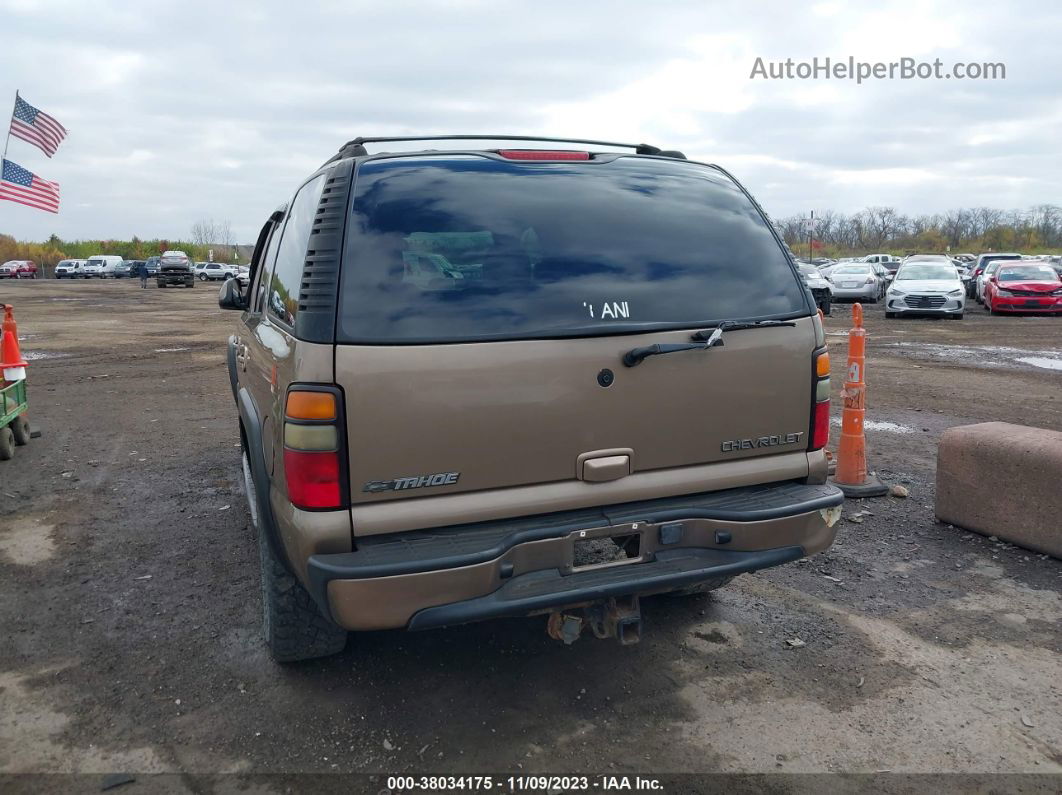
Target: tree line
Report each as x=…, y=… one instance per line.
x=969, y=230
x=207, y=235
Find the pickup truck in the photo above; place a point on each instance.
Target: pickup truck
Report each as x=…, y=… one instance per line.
x=175, y=268
x=18, y=269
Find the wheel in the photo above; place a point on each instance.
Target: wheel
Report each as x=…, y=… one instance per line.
x=7, y=444
x=20, y=430
x=825, y=307
x=294, y=628
x=991, y=309
x=702, y=587
x=958, y=316
x=890, y=315
x=202, y=277
x=190, y=283
x=161, y=284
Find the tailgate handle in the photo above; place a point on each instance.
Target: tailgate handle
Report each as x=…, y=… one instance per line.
x=604, y=468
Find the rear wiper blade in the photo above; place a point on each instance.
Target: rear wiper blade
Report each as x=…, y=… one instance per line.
x=737, y=325
x=636, y=355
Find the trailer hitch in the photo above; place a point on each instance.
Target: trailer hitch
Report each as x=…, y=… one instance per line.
x=616, y=617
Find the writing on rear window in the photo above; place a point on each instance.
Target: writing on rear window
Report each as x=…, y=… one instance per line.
x=608, y=309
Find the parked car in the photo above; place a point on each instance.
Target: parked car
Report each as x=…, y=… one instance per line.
x=243, y=275
x=990, y=268
x=429, y=452
x=152, y=265
x=101, y=266
x=926, y=287
x=175, y=268
x=1026, y=286
x=857, y=281
x=214, y=270
x=820, y=287
x=883, y=259
x=18, y=269
x=967, y=258
x=978, y=269
x=123, y=269
x=70, y=269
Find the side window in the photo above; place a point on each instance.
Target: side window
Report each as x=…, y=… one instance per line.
x=265, y=269
x=283, y=298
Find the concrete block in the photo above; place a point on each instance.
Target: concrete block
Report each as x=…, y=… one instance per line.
x=1003, y=480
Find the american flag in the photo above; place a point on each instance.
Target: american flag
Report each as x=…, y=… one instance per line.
x=19, y=185
x=37, y=127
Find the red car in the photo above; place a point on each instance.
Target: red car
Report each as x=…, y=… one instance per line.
x=1024, y=286
x=18, y=269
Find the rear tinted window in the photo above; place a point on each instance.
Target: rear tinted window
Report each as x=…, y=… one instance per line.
x=452, y=248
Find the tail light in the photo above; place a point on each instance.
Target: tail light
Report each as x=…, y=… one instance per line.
x=314, y=448
x=820, y=409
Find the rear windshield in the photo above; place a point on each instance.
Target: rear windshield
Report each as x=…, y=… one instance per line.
x=462, y=247
x=853, y=270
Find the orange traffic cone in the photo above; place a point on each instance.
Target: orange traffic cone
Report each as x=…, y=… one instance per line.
x=11, y=361
x=9, y=320
x=851, y=476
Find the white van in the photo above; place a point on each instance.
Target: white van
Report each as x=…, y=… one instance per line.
x=101, y=265
x=70, y=269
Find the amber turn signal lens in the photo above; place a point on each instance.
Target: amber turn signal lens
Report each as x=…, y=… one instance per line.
x=311, y=406
x=822, y=365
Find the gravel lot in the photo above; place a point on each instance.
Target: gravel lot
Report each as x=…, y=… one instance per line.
x=129, y=607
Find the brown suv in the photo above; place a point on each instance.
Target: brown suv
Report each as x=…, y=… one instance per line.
x=476, y=383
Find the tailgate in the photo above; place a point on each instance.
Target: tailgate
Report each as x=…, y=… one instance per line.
x=518, y=413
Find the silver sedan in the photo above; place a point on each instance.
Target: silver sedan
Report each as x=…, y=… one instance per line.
x=857, y=282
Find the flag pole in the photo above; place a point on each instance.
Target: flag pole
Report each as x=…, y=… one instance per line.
x=8, y=139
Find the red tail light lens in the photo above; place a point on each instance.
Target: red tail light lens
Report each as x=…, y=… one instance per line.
x=542, y=154
x=820, y=410
x=314, y=447
x=313, y=479
x=820, y=425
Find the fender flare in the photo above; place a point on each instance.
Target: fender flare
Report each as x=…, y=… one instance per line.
x=252, y=430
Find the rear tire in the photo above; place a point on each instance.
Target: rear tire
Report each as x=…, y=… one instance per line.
x=890, y=315
x=20, y=429
x=293, y=627
x=702, y=588
x=7, y=444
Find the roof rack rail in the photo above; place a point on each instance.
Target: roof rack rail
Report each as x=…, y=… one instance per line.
x=356, y=146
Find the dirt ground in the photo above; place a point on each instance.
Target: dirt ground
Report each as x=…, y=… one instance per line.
x=129, y=604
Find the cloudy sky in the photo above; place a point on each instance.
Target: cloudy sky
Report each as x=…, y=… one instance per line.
x=186, y=110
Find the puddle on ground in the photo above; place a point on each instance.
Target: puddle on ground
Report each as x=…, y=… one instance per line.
x=27, y=542
x=32, y=356
x=1042, y=361
x=982, y=355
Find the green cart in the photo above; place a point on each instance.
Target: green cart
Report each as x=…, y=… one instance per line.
x=14, y=427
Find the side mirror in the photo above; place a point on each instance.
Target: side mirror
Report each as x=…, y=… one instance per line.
x=230, y=296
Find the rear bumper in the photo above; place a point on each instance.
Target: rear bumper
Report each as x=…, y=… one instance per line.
x=467, y=573
x=864, y=291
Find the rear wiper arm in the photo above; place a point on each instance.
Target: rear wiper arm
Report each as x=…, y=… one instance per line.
x=737, y=325
x=703, y=340
x=636, y=355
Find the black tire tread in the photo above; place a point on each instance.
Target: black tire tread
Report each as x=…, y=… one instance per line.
x=20, y=429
